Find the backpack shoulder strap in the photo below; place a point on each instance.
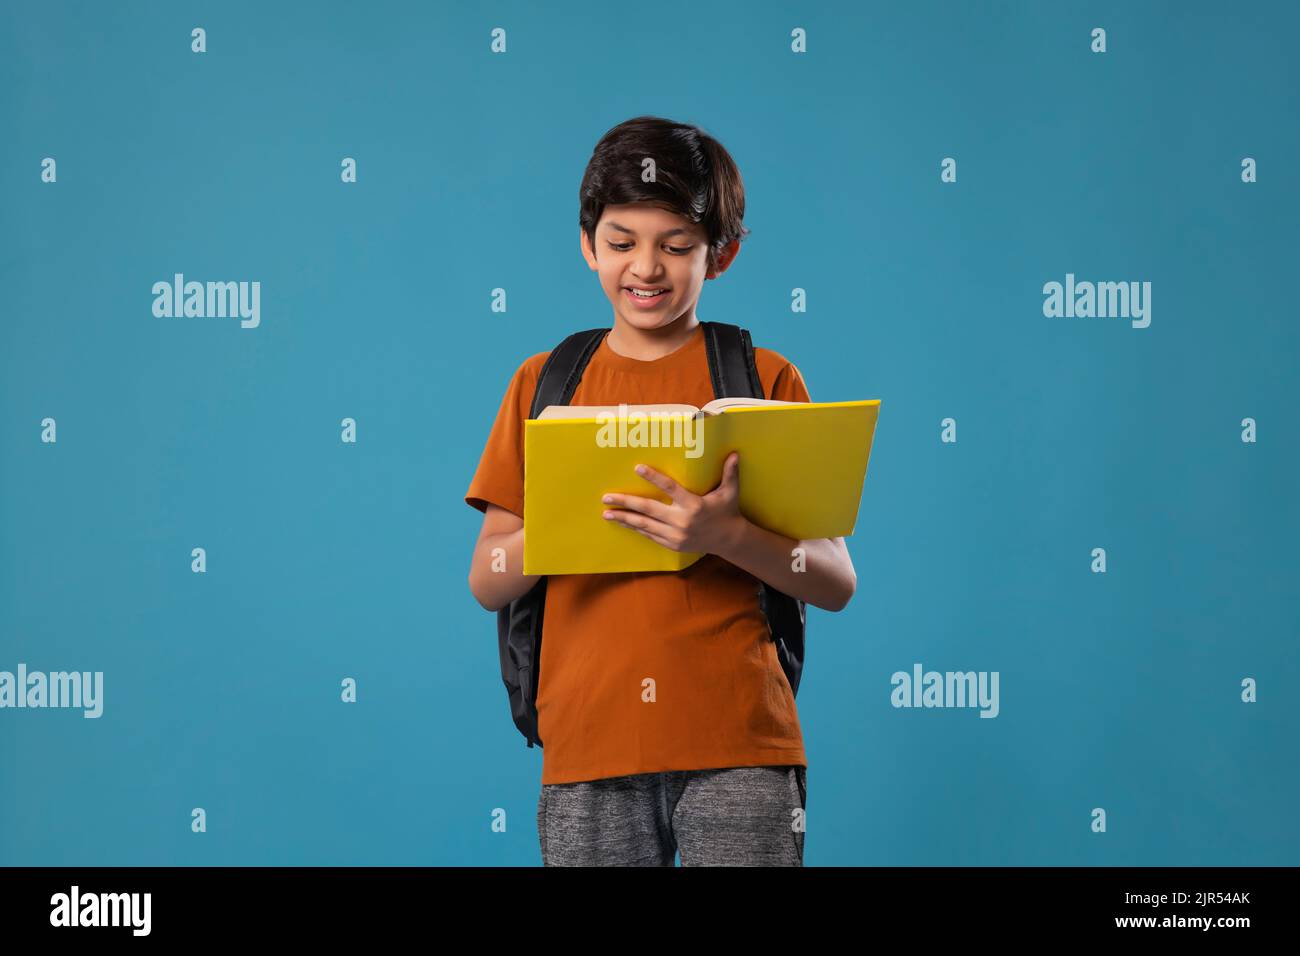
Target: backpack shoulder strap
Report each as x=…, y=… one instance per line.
x=563, y=368
x=731, y=361
x=730, y=350
x=519, y=623
x=735, y=374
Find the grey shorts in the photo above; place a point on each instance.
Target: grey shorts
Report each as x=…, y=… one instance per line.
x=733, y=816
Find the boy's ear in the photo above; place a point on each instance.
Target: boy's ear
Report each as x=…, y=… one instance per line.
x=587, y=252
x=725, y=258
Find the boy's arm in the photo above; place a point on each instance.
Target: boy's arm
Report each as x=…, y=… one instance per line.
x=497, y=490
x=713, y=524
x=497, y=579
x=827, y=580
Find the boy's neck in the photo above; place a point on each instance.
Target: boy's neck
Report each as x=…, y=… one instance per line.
x=647, y=345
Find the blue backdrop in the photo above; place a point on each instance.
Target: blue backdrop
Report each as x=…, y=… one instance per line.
x=1120, y=690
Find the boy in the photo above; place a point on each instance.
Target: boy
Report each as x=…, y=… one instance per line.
x=666, y=719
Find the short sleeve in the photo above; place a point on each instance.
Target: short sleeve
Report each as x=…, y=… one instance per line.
x=789, y=385
x=499, y=479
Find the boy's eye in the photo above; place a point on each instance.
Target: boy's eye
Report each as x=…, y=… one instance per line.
x=676, y=250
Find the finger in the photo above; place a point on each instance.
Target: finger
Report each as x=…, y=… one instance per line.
x=648, y=506
x=639, y=522
x=729, y=484
x=731, y=470
x=656, y=539
x=660, y=480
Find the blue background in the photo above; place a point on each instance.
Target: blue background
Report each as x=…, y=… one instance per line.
x=1118, y=690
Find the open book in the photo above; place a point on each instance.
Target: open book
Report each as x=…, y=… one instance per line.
x=802, y=468
x=715, y=407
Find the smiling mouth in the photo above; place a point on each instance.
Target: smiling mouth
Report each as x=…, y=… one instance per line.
x=643, y=294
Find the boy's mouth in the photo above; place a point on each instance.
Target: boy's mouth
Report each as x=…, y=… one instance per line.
x=644, y=296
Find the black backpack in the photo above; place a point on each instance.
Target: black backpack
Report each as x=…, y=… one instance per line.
x=519, y=624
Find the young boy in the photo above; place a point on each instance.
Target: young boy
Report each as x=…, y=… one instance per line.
x=666, y=719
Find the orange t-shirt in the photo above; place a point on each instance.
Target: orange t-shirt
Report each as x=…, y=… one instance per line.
x=722, y=699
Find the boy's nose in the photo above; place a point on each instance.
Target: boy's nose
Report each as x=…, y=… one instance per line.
x=646, y=268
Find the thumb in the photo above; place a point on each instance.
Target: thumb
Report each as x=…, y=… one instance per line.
x=731, y=469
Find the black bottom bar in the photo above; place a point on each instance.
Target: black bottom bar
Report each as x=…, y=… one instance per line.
x=207, y=904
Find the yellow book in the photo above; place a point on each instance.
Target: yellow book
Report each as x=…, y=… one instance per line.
x=802, y=468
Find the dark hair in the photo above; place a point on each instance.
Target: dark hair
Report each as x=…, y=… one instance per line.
x=695, y=177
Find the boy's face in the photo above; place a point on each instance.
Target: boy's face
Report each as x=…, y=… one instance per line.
x=641, y=245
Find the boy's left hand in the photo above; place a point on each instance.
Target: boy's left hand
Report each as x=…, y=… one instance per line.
x=708, y=524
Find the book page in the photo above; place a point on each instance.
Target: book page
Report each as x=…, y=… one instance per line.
x=594, y=411
x=719, y=405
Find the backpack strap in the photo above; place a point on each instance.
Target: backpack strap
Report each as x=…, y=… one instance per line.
x=519, y=623
x=735, y=374
x=563, y=369
x=730, y=351
x=731, y=361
